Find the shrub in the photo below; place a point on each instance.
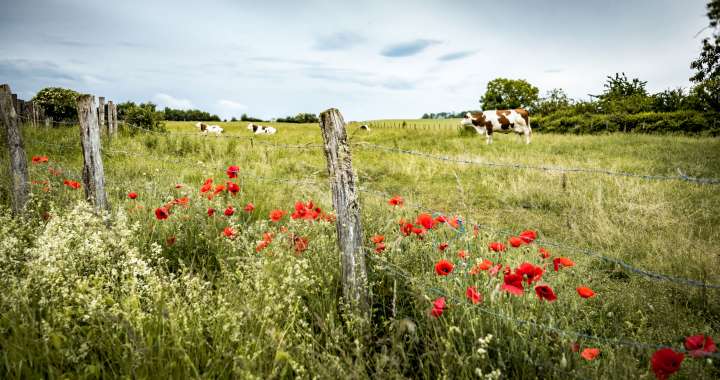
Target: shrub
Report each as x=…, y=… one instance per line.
x=645, y=122
x=144, y=117
x=59, y=103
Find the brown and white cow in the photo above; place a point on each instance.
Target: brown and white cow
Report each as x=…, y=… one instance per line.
x=487, y=122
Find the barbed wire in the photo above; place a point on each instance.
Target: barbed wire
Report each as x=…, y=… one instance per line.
x=681, y=176
x=610, y=341
x=585, y=251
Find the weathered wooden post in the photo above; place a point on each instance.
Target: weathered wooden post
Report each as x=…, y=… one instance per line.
x=48, y=122
x=114, y=116
x=18, y=161
x=347, y=208
x=93, y=173
x=101, y=113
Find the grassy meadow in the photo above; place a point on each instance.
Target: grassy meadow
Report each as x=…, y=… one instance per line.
x=128, y=295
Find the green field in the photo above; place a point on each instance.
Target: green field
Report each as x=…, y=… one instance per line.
x=81, y=299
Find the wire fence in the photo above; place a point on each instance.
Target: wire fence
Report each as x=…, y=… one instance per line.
x=381, y=193
x=680, y=177
x=396, y=270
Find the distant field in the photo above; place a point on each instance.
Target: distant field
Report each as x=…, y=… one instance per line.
x=275, y=313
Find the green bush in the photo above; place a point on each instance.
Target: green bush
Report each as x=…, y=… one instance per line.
x=645, y=122
x=59, y=103
x=144, y=117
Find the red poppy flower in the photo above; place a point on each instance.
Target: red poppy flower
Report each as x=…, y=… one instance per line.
x=528, y=236
x=700, y=345
x=406, y=228
x=178, y=185
x=462, y=254
x=441, y=219
x=229, y=211
x=665, y=362
x=72, y=184
x=229, y=232
x=497, y=247
x=162, y=213
x=443, y=267
x=396, y=201
x=378, y=239
x=249, y=207
x=419, y=231
x=590, y=353
x=529, y=272
x=276, y=215
x=484, y=265
x=206, y=187
x=472, y=294
x=512, y=283
x=585, y=292
x=233, y=187
x=545, y=293
x=39, y=159
x=425, y=220
x=438, y=307
x=442, y=247
x=132, y=195
x=516, y=241
x=181, y=201
x=170, y=240
x=455, y=222
x=560, y=262
x=268, y=237
x=544, y=253
x=379, y=247
x=261, y=245
x=219, y=189
x=232, y=171
x=301, y=244
x=211, y=211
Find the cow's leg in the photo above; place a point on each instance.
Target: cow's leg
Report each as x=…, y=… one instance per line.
x=528, y=132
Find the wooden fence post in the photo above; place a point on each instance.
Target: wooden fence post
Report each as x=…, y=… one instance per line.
x=112, y=118
x=18, y=161
x=347, y=208
x=101, y=114
x=93, y=173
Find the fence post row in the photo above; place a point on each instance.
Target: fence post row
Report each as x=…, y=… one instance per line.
x=347, y=208
x=18, y=160
x=93, y=173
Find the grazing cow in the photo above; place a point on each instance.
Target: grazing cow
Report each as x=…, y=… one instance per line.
x=261, y=129
x=205, y=129
x=365, y=127
x=487, y=122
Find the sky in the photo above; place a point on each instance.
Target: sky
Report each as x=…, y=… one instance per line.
x=370, y=59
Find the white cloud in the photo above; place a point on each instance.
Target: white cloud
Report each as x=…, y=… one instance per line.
x=165, y=100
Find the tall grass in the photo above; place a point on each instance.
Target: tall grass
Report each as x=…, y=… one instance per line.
x=81, y=299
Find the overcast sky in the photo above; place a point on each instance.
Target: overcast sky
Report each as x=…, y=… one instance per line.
x=370, y=59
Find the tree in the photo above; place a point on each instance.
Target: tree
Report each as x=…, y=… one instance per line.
x=502, y=93
x=554, y=100
x=144, y=116
x=669, y=100
x=707, y=66
x=59, y=103
x=623, y=95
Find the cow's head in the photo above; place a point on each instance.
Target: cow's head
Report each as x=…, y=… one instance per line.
x=467, y=120
x=252, y=127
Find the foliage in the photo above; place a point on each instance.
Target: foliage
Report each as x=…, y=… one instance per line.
x=300, y=118
x=707, y=66
x=59, y=103
x=445, y=115
x=622, y=95
x=682, y=122
x=245, y=117
x=144, y=116
x=555, y=100
x=502, y=93
x=188, y=115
